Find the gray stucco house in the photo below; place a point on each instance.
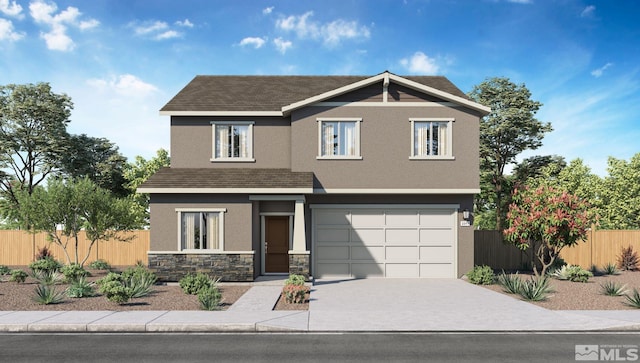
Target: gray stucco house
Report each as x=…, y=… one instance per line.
x=326, y=176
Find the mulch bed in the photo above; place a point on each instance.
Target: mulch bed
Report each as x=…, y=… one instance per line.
x=19, y=297
x=584, y=296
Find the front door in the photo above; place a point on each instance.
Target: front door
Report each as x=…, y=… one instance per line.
x=276, y=244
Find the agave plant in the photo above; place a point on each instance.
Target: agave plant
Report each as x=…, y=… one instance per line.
x=48, y=294
x=633, y=300
x=611, y=288
x=535, y=289
x=511, y=283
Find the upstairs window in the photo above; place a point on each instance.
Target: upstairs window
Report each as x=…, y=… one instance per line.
x=431, y=138
x=232, y=141
x=339, y=138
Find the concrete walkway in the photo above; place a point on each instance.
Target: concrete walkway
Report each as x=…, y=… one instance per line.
x=346, y=305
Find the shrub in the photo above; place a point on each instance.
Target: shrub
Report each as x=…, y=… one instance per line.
x=481, y=275
x=47, y=277
x=535, y=289
x=18, y=276
x=193, y=283
x=111, y=276
x=295, y=294
x=47, y=294
x=610, y=269
x=573, y=273
x=628, y=259
x=294, y=279
x=115, y=291
x=210, y=298
x=4, y=270
x=44, y=253
x=81, y=288
x=510, y=283
x=611, y=288
x=633, y=300
x=139, y=280
x=45, y=264
x=73, y=272
x=100, y=265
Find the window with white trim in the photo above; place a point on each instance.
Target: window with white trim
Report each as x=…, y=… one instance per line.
x=431, y=138
x=339, y=138
x=232, y=141
x=201, y=229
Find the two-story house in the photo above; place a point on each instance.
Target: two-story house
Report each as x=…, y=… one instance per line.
x=329, y=176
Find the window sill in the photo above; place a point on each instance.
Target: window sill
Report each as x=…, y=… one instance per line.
x=233, y=160
x=432, y=157
x=339, y=157
x=199, y=251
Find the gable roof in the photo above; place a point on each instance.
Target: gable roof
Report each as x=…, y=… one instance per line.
x=227, y=180
x=279, y=95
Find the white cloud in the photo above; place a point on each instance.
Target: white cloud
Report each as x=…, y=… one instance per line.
x=256, y=42
x=588, y=11
x=7, y=32
x=282, y=45
x=331, y=33
x=151, y=27
x=186, y=23
x=123, y=85
x=158, y=30
x=57, y=38
x=11, y=8
x=600, y=71
x=420, y=63
x=268, y=10
x=168, y=35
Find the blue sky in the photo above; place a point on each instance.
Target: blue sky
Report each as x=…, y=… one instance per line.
x=121, y=61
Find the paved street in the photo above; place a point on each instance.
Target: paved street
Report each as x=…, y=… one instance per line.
x=355, y=347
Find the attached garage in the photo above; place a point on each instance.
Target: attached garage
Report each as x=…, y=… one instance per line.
x=384, y=241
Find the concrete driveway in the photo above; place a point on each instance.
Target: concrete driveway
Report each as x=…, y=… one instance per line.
x=433, y=305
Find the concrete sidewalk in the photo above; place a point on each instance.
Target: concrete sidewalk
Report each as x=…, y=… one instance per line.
x=397, y=305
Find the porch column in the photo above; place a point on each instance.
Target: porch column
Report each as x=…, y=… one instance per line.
x=299, y=231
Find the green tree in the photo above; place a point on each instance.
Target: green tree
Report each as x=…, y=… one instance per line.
x=533, y=167
x=33, y=135
x=97, y=159
x=139, y=171
x=508, y=130
x=64, y=208
x=546, y=219
x=621, y=194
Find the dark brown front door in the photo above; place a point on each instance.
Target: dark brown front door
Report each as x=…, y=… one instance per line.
x=276, y=244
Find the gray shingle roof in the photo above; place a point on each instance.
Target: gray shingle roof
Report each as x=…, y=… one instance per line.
x=244, y=178
x=271, y=93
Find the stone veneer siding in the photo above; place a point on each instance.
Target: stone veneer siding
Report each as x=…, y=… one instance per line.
x=228, y=267
x=299, y=264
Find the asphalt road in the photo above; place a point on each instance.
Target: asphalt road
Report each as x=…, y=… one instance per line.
x=309, y=347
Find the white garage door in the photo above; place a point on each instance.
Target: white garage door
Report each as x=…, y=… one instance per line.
x=384, y=241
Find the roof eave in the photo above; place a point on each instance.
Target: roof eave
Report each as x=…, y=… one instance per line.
x=222, y=113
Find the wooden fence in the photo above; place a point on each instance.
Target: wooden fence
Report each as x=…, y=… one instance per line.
x=600, y=248
x=18, y=248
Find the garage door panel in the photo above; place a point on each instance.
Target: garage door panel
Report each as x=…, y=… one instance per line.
x=368, y=236
x=436, y=254
x=367, y=253
x=402, y=236
x=335, y=217
x=437, y=270
x=409, y=253
x=361, y=270
x=333, y=235
x=441, y=236
x=436, y=218
x=333, y=269
x=333, y=252
x=401, y=270
x=402, y=218
x=369, y=218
